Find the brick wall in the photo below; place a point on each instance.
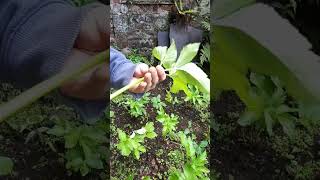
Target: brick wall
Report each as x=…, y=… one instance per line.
x=135, y=23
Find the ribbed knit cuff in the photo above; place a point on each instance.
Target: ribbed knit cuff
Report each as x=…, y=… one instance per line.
x=42, y=41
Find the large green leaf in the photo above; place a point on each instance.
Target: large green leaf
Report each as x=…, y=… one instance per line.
x=182, y=71
x=167, y=56
x=288, y=124
x=223, y=8
x=171, y=55
x=198, y=77
x=6, y=165
x=182, y=78
x=160, y=52
x=235, y=53
x=187, y=54
x=71, y=139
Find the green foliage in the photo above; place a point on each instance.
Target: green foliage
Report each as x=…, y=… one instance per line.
x=136, y=58
x=157, y=103
x=205, y=54
x=204, y=13
x=305, y=171
x=169, y=122
x=238, y=53
x=27, y=118
x=309, y=116
x=271, y=108
x=170, y=99
x=206, y=25
x=137, y=106
x=6, y=166
x=181, y=70
x=85, y=145
x=134, y=142
x=146, y=178
x=196, y=97
x=195, y=168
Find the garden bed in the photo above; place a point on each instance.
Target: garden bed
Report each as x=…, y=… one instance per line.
x=250, y=153
x=163, y=154
x=35, y=153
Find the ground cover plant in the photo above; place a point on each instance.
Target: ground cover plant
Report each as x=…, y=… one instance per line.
x=177, y=145
x=265, y=122
x=47, y=140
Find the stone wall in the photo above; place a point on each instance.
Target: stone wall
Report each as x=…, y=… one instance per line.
x=135, y=23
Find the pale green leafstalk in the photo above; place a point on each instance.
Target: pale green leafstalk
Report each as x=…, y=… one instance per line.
x=41, y=89
x=130, y=85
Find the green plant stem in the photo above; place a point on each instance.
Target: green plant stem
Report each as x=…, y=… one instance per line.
x=41, y=89
x=130, y=85
x=133, y=83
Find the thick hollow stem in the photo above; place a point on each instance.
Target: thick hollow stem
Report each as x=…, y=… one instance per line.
x=130, y=85
x=133, y=83
x=41, y=89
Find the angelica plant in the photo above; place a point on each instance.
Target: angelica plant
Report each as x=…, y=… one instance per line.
x=170, y=99
x=169, y=122
x=196, y=97
x=136, y=107
x=180, y=69
x=85, y=145
x=157, y=103
x=271, y=108
x=134, y=144
x=195, y=167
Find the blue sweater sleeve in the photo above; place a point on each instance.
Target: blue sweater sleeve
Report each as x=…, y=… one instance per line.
x=121, y=69
x=36, y=38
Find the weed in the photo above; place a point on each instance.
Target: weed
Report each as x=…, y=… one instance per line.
x=85, y=146
x=170, y=99
x=134, y=142
x=195, y=168
x=157, y=103
x=196, y=98
x=271, y=108
x=136, y=107
x=169, y=123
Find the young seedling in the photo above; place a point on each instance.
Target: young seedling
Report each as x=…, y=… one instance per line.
x=181, y=69
x=195, y=168
x=196, y=98
x=271, y=108
x=136, y=107
x=170, y=99
x=169, y=123
x=134, y=142
x=157, y=103
x=85, y=145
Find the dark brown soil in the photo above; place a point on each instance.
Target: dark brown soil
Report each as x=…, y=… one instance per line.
x=150, y=164
x=33, y=160
x=242, y=153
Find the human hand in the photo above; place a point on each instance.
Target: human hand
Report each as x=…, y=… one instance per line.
x=152, y=76
x=92, y=39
